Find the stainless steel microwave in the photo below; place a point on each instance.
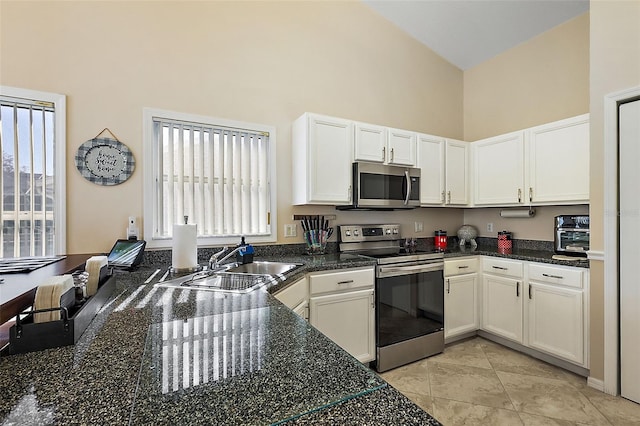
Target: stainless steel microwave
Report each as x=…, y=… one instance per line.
x=571, y=235
x=384, y=187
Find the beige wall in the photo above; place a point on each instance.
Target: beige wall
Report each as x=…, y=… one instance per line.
x=615, y=65
x=263, y=62
x=541, y=80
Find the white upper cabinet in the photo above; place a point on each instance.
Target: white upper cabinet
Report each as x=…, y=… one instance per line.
x=443, y=167
x=370, y=143
x=322, y=154
x=456, y=177
x=379, y=144
x=559, y=161
x=401, y=146
x=431, y=163
x=499, y=170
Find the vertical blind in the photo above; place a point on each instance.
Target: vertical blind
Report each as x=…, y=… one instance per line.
x=27, y=179
x=216, y=176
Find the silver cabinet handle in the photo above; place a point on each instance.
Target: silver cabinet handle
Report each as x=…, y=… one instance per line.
x=500, y=267
x=463, y=267
x=530, y=296
x=448, y=286
x=373, y=301
x=449, y=195
x=345, y=282
x=553, y=276
x=391, y=159
x=384, y=153
x=519, y=195
x=517, y=289
x=530, y=194
x=443, y=198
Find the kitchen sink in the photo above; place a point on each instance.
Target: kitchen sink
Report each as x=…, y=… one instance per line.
x=234, y=277
x=262, y=268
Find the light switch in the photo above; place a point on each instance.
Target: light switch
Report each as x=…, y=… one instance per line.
x=418, y=226
x=290, y=230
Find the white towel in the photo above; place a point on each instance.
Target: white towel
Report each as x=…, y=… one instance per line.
x=48, y=296
x=93, y=266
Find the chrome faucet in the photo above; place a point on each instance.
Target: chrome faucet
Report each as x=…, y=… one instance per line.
x=214, y=262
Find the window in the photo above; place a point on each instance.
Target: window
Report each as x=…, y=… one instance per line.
x=32, y=183
x=218, y=173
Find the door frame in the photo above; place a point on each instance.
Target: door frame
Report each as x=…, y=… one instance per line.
x=611, y=238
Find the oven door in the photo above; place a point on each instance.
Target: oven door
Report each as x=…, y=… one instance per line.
x=409, y=302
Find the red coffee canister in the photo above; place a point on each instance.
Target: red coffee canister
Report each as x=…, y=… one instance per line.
x=505, y=243
x=440, y=239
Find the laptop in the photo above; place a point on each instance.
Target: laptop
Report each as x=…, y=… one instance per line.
x=126, y=254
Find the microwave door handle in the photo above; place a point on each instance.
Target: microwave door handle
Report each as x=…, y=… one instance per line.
x=406, y=176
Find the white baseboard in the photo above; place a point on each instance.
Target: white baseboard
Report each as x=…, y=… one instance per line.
x=595, y=383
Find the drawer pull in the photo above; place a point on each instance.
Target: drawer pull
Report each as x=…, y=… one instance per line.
x=530, y=296
x=553, y=276
x=448, y=286
x=517, y=289
x=345, y=282
x=500, y=267
x=463, y=267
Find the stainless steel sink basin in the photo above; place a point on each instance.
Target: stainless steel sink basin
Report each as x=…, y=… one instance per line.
x=234, y=277
x=262, y=268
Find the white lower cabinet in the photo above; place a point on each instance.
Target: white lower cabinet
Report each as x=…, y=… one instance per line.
x=348, y=320
x=302, y=310
x=502, y=306
x=460, y=297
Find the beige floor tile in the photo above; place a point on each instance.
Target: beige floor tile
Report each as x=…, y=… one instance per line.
x=505, y=359
x=423, y=401
x=464, y=353
x=550, y=398
x=454, y=413
x=533, y=420
x=617, y=410
x=412, y=378
x=467, y=384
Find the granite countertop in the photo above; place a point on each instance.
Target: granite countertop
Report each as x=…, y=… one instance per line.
x=160, y=355
x=528, y=254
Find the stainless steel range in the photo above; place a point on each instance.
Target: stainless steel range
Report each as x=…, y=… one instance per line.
x=409, y=294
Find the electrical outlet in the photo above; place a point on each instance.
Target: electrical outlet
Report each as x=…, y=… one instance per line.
x=290, y=230
x=418, y=226
x=489, y=227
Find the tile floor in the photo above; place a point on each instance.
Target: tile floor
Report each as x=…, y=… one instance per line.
x=478, y=382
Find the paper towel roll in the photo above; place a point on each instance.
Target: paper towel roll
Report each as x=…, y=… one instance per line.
x=522, y=213
x=184, y=254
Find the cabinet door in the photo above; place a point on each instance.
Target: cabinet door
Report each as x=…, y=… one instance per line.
x=348, y=320
x=499, y=170
x=460, y=305
x=302, y=310
x=457, y=192
x=502, y=307
x=556, y=321
x=294, y=294
x=322, y=158
x=431, y=163
x=559, y=161
x=370, y=143
x=402, y=147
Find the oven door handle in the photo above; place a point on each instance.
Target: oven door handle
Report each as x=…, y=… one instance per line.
x=390, y=271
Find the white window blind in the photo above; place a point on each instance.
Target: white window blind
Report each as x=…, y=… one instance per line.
x=27, y=182
x=217, y=176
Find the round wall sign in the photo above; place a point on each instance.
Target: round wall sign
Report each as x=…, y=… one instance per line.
x=105, y=161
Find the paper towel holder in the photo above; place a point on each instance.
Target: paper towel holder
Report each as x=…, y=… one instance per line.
x=518, y=213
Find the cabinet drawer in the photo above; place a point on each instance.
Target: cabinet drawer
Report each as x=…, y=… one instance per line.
x=571, y=277
x=507, y=268
x=467, y=265
x=325, y=282
x=295, y=294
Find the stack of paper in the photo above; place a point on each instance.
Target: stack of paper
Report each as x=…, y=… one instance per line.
x=48, y=296
x=93, y=266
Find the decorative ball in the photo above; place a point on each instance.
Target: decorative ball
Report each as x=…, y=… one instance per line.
x=467, y=233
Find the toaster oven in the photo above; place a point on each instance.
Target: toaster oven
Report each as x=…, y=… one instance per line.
x=571, y=236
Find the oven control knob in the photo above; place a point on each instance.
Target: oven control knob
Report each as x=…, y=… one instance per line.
x=355, y=232
x=388, y=231
x=395, y=230
x=347, y=233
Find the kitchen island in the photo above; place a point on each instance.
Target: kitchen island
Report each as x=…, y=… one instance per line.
x=161, y=355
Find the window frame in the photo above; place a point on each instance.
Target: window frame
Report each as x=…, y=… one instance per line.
x=60, y=166
x=151, y=170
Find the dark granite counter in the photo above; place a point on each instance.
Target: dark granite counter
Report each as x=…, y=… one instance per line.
x=529, y=254
x=160, y=355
